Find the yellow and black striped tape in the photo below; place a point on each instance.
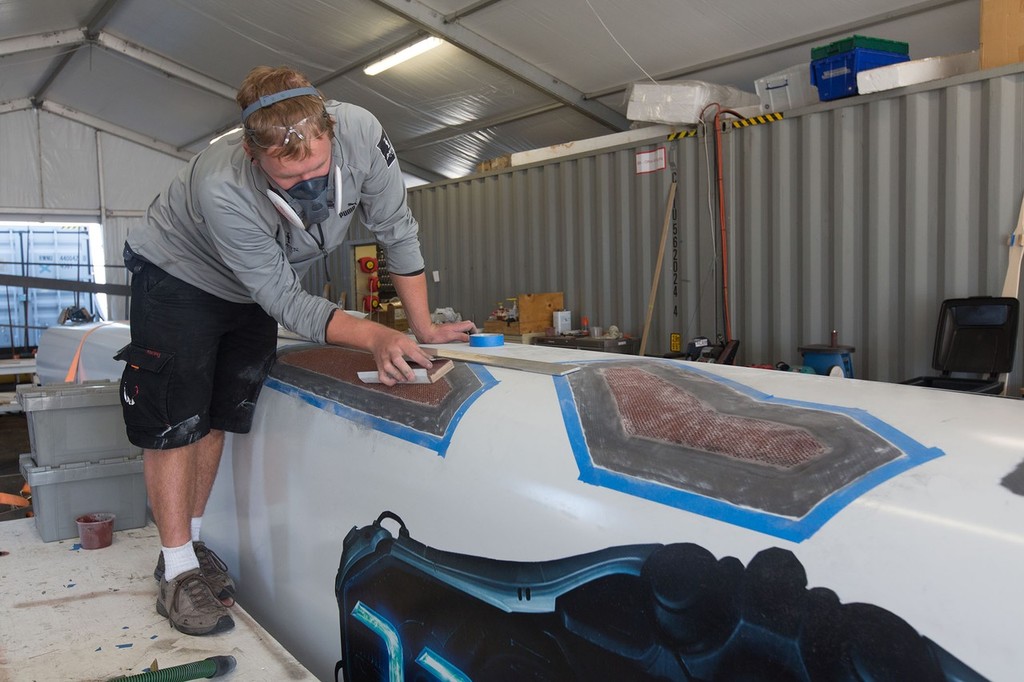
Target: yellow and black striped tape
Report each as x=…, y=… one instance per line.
x=744, y=123
x=758, y=120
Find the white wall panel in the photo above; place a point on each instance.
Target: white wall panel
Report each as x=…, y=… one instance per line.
x=50, y=162
x=19, y=159
x=133, y=175
x=68, y=151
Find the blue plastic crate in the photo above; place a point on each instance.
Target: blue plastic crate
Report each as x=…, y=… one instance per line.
x=836, y=75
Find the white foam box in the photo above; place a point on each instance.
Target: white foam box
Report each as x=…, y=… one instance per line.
x=787, y=89
x=70, y=423
x=916, y=71
x=681, y=101
x=61, y=494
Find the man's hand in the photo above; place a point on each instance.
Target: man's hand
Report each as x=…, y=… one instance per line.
x=449, y=332
x=393, y=352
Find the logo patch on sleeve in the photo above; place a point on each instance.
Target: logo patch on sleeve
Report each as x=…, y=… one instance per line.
x=386, y=150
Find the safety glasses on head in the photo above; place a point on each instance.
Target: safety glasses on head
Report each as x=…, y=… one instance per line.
x=309, y=128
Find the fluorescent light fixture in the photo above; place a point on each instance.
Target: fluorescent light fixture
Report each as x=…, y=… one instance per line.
x=402, y=55
x=225, y=134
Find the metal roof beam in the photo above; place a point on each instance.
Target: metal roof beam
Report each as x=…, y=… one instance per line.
x=92, y=26
x=466, y=11
x=100, y=124
x=99, y=18
x=72, y=37
x=434, y=22
x=12, y=105
x=171, y=68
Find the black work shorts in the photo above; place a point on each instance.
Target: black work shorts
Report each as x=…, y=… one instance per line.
x=195, y=362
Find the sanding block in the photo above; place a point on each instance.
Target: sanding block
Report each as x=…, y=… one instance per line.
x=437, y=370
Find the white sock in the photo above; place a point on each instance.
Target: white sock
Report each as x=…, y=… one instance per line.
x=178, y=560
x=197, y=523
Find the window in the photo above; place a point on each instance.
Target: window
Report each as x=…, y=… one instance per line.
x=60, y=251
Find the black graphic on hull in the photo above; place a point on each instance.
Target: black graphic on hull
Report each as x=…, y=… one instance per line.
x=635, y=612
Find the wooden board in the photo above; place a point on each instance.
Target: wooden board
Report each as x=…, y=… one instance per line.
x=535, y=366
x=1000, y=39
x=536, y=311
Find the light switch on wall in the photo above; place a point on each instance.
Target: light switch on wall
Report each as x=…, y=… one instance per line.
x=437, y=276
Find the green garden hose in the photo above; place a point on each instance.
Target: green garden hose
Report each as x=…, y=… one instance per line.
x=214, y=666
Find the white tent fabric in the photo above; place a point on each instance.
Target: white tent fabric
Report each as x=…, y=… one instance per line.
x=514, y=75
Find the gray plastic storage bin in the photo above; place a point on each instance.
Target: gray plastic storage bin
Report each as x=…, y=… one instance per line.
x=62, y=494
x=70, y=423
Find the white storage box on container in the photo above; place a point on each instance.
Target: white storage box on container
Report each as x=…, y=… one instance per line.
x=916, y=71
x=70, y=423
x=62, y=494
x=787, y=89
x=683, y=102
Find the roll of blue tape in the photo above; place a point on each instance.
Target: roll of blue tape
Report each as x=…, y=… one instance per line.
x=486, y=340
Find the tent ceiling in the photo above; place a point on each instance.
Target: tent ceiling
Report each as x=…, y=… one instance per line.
x=515, y=74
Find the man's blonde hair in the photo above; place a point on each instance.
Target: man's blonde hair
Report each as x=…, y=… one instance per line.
x=267, y=80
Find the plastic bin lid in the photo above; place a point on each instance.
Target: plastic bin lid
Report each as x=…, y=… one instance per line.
x=858, y=41
x=65, y=396
x=976, y=334
x=38, y=476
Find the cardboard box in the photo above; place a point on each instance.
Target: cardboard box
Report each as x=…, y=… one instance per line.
x=916, y=71
x=1001, y=39
x=62, y=494
x=391, y=315
x=499, y=163
x=536, y=314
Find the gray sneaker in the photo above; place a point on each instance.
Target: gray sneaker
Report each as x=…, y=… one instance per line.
x=189, y=603
x=214, y=570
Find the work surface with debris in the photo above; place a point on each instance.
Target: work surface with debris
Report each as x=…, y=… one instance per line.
x=75, y=614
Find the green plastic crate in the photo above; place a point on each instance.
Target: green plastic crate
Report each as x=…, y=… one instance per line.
x=847, y=44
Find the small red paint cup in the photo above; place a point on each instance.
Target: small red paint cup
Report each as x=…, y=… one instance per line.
x=95, y=531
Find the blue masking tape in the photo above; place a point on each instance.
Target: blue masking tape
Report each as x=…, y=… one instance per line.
x=486, y=340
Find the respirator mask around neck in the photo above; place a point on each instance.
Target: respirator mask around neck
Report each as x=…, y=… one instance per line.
x=309, y=202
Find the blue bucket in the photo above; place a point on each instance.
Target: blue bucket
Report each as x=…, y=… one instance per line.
x=823, y=358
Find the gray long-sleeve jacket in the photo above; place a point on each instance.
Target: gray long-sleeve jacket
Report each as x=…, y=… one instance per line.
x=215, y=227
